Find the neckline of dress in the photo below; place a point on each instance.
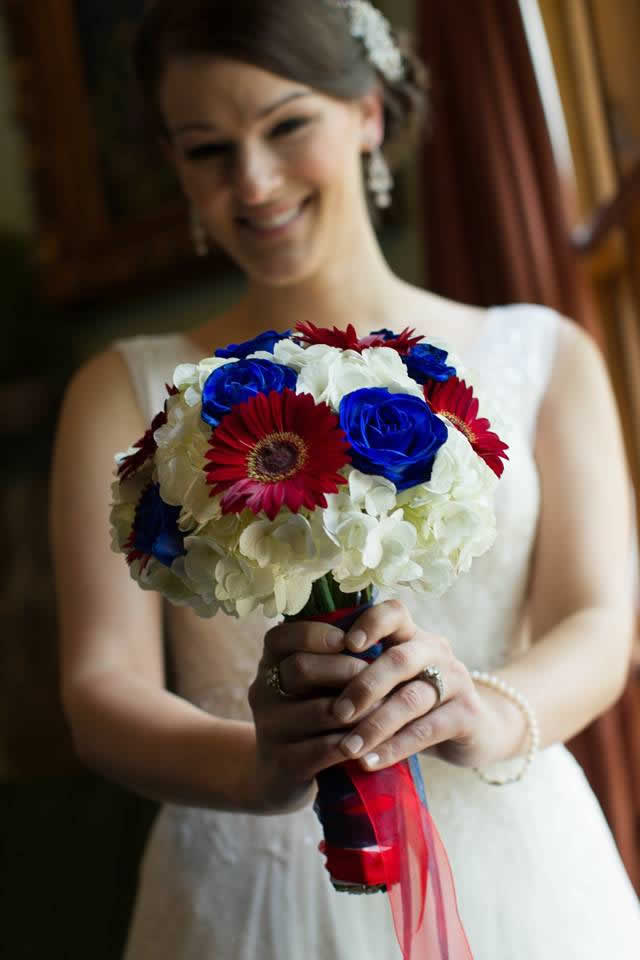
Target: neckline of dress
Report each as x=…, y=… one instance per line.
x=470, y=348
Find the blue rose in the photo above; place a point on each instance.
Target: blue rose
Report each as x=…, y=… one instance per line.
x=385, y=334
x=155, y=528
x=236, y=383
x=265, y=341
x=426, y=362
x=392, y=435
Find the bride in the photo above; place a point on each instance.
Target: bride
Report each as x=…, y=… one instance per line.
x=274, y=114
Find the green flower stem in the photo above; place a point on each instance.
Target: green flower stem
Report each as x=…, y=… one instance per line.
x=327, y=597
x=324, y=597
x=341, y=599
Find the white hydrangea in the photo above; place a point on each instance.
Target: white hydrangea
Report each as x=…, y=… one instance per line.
x=453, y=512
x=457, y=472
x=203, y=554
x=376, y=495
x=180, y=461
x=437, y=573
x=292, y=354
x=242, y=587
x=246, y=561
x=454, y=530
x=173, y=584
x=290, y=542
x=344, y=371
x=376, y=549
x=190, y=378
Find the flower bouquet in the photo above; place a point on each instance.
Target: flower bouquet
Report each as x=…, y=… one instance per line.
x=306, y=474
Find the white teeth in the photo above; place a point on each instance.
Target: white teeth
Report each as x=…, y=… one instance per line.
x=276, y=222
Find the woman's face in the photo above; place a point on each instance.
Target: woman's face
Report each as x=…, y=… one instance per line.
x=272, y=167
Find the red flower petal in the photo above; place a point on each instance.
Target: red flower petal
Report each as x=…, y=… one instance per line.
x=455, y=401
x=348, y=339
x=146, y=446
x=276, y=450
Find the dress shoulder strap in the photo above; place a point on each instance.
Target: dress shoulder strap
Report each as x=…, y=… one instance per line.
x=151, y=361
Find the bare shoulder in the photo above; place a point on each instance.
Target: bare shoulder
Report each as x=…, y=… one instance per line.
x=578, y=367
x=105, y=620
x=99, y=417
x=580, y=403
x=583, y=546
x=104, y=380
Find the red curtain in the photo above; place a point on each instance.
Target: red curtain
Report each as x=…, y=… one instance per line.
x=497, y=232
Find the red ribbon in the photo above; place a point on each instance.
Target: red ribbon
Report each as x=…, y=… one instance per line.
x=410, y=859
x=358, y=866
x=422, y=895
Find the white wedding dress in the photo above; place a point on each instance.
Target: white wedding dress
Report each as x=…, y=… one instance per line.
x=536, y=871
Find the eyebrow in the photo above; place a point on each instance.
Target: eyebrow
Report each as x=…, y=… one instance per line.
x=264, y=112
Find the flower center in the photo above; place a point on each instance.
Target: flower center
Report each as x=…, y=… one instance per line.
x=277, y=457
x=462, y=427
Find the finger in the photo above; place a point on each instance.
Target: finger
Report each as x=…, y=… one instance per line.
x=302, y=673
x=412, y=701
x=447, y=723
x=287, y=721
x=304, y=760
x=388, y=621
x=302, y=636
x=396, y=665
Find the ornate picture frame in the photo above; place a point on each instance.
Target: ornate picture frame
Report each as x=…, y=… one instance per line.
x=110, y=215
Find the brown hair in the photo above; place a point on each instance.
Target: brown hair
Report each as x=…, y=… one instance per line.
x=307, y=41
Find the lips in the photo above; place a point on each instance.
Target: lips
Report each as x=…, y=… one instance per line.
x=275, y=221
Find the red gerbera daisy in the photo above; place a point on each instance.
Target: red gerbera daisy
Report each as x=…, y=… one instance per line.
x=455, y=401
x=348, y=339
x=146, y=446
x=276, y=449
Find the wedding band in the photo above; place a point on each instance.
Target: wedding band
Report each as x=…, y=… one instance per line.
x=275, y=682
x=433, y=676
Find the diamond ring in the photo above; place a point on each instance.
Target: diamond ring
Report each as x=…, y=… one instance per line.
x=274, y=681
x=433, y=676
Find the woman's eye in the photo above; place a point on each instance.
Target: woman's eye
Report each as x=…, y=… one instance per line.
x=289, y=126
x=205, y=150
x=223, y=148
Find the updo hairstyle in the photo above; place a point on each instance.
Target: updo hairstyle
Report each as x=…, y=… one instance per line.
x=306, y=41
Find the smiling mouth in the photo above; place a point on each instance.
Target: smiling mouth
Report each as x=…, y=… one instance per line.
x=273, y=225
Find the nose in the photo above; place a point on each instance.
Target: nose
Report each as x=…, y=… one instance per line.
x=257, y=174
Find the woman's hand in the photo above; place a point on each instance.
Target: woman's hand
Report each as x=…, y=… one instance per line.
x=394, y=712
x=384, y=711
x=297, y=732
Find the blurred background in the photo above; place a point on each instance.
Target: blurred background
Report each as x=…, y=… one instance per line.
x=528, y=189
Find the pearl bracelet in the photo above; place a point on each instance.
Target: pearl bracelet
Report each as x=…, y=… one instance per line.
x=494, y=683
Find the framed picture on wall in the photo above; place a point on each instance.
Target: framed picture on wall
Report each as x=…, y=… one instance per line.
x=110, y=213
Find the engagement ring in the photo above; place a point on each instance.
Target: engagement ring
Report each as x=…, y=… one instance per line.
x=275, y=682
x=433, y=676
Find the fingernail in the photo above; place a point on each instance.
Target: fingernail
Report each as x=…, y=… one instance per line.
x=344, y=710
x=353, y=744
x=357, y=639
x=335, y=639
x=372, y=760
